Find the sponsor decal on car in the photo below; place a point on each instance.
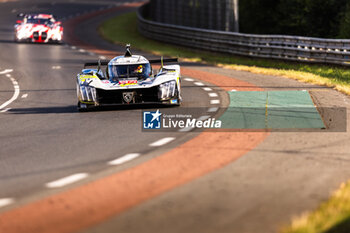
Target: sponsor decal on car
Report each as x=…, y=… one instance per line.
x=123, y=83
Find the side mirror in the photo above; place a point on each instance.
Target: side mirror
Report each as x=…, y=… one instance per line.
x=18, y=21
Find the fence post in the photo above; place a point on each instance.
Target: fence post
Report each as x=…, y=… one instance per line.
x=235, y=16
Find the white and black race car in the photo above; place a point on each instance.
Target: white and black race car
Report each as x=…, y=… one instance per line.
x=126, y=80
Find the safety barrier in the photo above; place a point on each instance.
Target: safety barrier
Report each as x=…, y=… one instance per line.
x=293, y=48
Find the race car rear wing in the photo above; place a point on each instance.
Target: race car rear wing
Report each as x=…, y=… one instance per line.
x=169, y=60
x=99, y=63
x=154, y=61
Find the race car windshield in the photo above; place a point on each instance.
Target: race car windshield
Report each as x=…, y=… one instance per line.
x=142, y=71
x=39, y=21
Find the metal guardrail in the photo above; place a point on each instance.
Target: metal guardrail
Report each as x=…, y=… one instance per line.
x=292, y=48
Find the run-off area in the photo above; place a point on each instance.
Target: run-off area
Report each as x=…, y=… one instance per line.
x=271, y=110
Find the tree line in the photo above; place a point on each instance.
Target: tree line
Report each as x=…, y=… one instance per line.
x=312, y=18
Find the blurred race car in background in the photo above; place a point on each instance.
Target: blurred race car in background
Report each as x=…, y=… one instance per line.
x=128, y=79
x=38, y=28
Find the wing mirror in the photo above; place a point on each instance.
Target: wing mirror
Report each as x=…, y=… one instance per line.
x=18, y=21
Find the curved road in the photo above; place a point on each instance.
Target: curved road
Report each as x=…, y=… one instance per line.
x=43, y=138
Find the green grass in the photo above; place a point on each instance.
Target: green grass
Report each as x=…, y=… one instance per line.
x=332, y=216
x=123, y=30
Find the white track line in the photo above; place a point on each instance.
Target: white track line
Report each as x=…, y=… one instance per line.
x=15, y=94
x=188, y=79
x=186, y=129
x=124, y=159
x=214, y=101
x=66, y=180
x=82, y=50
x=212, y=94
x=6, y=71
x=215, y=109
x=5, y=201
x=203, y=118
x=5, y=110
x=24, y=96
x=207, y=89
x=162, y=141
x=198, y=84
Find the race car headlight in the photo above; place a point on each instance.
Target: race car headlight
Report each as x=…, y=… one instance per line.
x=167, y=90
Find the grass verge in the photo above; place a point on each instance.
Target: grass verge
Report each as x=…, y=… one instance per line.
x=332, y=216
x=123, y=30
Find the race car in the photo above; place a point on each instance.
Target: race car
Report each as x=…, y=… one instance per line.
x=127, y=80
x=38, y=28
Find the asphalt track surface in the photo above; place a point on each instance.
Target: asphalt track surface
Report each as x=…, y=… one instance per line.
x=43, y=138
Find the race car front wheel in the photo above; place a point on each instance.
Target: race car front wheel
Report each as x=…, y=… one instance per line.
x=84, y=107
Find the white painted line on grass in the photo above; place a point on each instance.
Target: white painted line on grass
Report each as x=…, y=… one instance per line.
x=188, y=79
x=24, y=96
x=207, y=89
x=213, y=94
x=214, y=101
x=124, y=159
x=162, y=141
x=5, y=201
x=15, y=94
x=66, y=180
x=199, y=84
x=233, y=90
x=215, y=109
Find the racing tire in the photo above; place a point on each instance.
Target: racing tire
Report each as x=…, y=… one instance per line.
x=179, y=99
x=83, y=109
